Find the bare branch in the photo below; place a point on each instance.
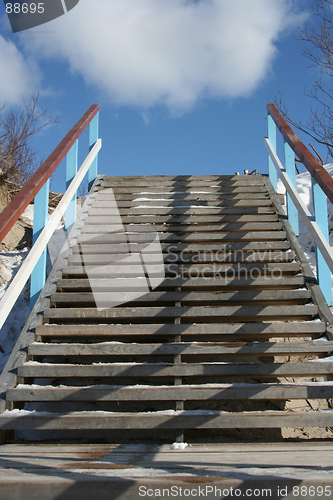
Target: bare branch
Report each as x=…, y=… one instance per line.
x=317, y=37
x=18, y=158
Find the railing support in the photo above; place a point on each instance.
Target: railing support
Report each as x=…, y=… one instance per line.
x=22, y=276
x=272, y=138
x=16, y=207
x=38, y=187
x=322, y=187
x=320, y=214
x=38, y=275
x=289, y=161
x=71, y=171
x=93, y=136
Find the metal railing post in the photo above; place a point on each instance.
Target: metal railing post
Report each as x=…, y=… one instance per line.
x=289, y=161
x=272, y=138
x=93, y=136
x=71, y=171
x=38, y=275
x=320, y=214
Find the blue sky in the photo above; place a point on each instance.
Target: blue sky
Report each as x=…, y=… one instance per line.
x=182, y=85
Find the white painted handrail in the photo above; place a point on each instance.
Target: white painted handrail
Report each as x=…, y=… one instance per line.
x=312, y=226
x=15, y=288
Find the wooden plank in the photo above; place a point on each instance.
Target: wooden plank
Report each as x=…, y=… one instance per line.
x=266, y=297
x=226, y=188
x=184, y=348
x=179, y=185
x=290, y=282
x=203, y=178
x=184, y=312
x=125, y=484
x=218, y=247
x=164, y=420
x=298, y=455
x=174, y=195
x=105, y=226
x=196, y=313
x=184, y=177
x=196, y=220
x=50, y=470
x=173, y=211
x=235, y=329
x=217, y=392
x=186, y=257
x=267, y=370
x=177, y=270
x=197, y=451
x=119, y=270
x=222, y=248
x=180, y=181
x=109, y=238
x=183, y=203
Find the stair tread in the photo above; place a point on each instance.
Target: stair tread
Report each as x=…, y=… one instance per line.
x=250, y=202
x=134, y=268
x=185, y=283
x=96, y=215
x=198, y=348
x=184, y=210
x=203, y=312
x=226, y=187
x=64, y=370
x=113, y=238
x=106, y=226
x=256, y=256
x=262, y=391
x=208, y=340
x=176, y=195
x=266, y=297
x=172, y=419
x=244, y=246
x=268, y=329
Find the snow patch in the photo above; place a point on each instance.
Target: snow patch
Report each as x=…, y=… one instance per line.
x=178, y=446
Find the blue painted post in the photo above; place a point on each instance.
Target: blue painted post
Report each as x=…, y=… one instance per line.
x=93, y=136
x=289, y=161
x=71, y=170
x=38, y=275
x=272, y=138
x=320, y=213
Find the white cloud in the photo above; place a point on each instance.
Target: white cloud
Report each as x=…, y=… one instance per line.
x=171, y=52
x=19, y=76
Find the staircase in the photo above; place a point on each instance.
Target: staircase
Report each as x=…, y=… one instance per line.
x=232, y=337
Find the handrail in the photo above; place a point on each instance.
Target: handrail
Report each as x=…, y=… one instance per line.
x=317, y=171
x=322, y=188
x=17, y=206
x=22, y=276
x=306, y=215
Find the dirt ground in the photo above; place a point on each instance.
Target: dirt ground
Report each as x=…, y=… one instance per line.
x=19, y=237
